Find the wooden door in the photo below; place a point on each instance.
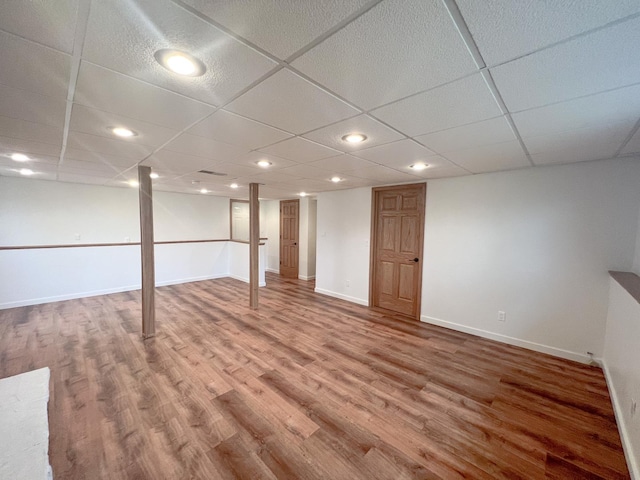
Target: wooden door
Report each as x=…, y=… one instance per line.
x=396, y=248
x=289, y=226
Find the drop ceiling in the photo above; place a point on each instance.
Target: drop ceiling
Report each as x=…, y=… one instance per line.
x=465, y=86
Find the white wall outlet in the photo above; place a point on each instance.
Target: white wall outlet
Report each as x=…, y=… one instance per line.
x=502, y=316
x=127, y=239
x=77, y=236
x=347, y=283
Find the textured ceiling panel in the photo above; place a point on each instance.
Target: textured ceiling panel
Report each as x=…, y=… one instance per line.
x=10, y=145
x=505, y=29
x=231, y=128
x=383, y=174
x=179, y=162
x=204, y=147
x=116, y=162
x=458, y=103
x=397, y=154
x=287, y=101
x=251, y=159
x=300, y=150
x=49, y=22
x=109, y=146
x=577, y=153
x=376, y=133
x=111, y=92
x=97, y=122
x=281, y=27
x=495, y=130
x=342, y=163
x=490, y=158
x=37, y=132
x=307, y=171
x=600, y=61
x=136, y=30
x=581, y=139
x=31, y=67
x=634, y=144
x=23, y=105
x=398, y=48
x=605, y=109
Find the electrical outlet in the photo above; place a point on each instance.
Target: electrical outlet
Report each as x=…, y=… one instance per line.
x=502, y=316
x=127, y=239
x=77, y=236
x=634, y=407
x=347, y=283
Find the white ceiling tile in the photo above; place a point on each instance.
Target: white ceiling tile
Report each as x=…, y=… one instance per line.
x=232, y=128
x=578, y=153
x=282, y=27
x=121, y=148
x=342, y=163
x=584, y=139
x=204, y=147
x=634, y=144
x=376, y=133
x=28, y=106
x=307, y=185
x=114, y=161
x=307, y=171
x=124, y=35
x=381, y=173
x=464, y=101
x=300, y=150
x=33, y=163
x=111, y=92
x=491, y=158
x=504, y=29
x=91, y=168
x=38, y=132
x=49, y=22
x=397, y=154
x=495, y=130
x=80, y=178
x=396, y=49
x=268, y=178
x=606, y=108
x=39, y=174
x=33, y=67
x=287, y=101
x=175, y=162
x=440, y=168
x=599, y=61
x=10, y=145
x=235, y=170
x=252, y=158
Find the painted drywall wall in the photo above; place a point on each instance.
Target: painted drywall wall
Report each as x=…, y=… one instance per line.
x=342, y=248
x=534, y=243
x=312, y=222
x=621, y=362
x=270, y=229
x=636, y=260
x=239, y=262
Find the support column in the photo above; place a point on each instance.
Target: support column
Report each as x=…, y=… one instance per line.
x=254, y=244
x=146, y=248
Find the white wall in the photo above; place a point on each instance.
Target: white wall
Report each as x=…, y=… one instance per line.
x=636, y=261
x=307, y=238
x=239, y=262
x=270, y=228
x=535, y=243
x=342, y=249
x=621, y=361
x=312, y=238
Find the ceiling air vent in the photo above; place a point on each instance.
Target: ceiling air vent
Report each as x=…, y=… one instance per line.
x=209, y=172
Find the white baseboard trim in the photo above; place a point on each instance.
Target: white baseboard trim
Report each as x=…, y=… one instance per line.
x=190, y=279
x=632, y=462
x=310, y=277
x=245, y=280
x=537, y=347
x=359, y=301
x=272, y=270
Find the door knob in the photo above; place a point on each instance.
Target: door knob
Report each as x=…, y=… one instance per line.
x=416, y=259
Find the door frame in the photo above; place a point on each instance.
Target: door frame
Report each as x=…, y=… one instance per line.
x=296, y=200
x=373, y=243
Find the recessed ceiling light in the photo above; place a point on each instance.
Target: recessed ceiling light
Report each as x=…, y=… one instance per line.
x=354, y=138
x=204, y=190
x=26, y=171
x=336, y=179
x=180, y=62
x=154, y=175
x=303, y=194
x=419, y=166
x=264, y=163
x=133, y=183
x=19, y=157
x=234, y=185
x=122, y=132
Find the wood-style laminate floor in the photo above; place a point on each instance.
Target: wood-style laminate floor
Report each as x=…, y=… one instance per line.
x=308, y=387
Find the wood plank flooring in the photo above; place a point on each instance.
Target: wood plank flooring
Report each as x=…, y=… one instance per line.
x=308, y=387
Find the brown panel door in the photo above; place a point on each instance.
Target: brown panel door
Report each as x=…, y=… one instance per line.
x=289, y=225
x=396, y=253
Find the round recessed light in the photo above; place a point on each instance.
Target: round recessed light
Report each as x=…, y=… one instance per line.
x=154, y=175
x=133, y=183
x=19, y=157
x=263, y=163
x=336, y=179
x=180, y=62
x=122, y=132
x=26, y=171
x=419, y=166
x=303, y=194
x=354, y=138
x=204, y=190
x=234, y=185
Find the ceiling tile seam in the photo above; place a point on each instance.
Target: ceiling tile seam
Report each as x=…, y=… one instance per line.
x=631, y=134
x=333, y=30
x=486, y=75
x=34, y=42
x=82, y=20
x=463, y=29
x=605, y=26
x=271, y=72
x=247, y=43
